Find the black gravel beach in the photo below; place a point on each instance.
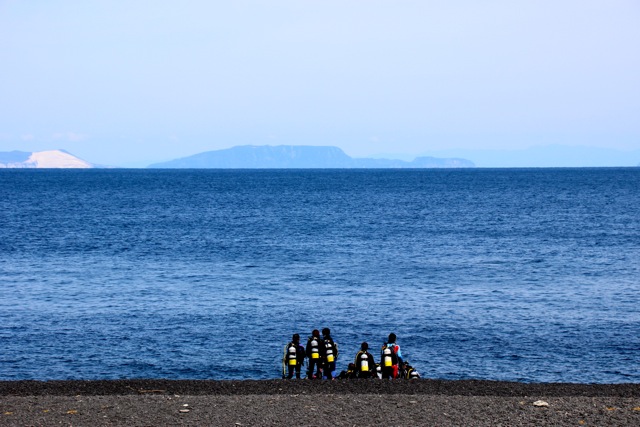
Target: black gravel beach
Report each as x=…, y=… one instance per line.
x=316, y=403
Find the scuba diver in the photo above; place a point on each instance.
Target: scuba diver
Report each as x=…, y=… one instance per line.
x=293, y=358
x=364, y=363
x=391, y=358
x=410, y=372
x=329, y=354
x=314, y=354
x=349, y=374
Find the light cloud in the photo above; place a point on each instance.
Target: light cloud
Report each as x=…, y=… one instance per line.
x=27, y=137
x=69, y=136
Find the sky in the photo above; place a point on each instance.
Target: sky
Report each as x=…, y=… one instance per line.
x=129, y=83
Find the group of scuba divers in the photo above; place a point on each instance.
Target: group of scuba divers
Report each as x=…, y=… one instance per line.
x=322, y=353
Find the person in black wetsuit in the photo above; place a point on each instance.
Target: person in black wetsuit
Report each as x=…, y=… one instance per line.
x=349, y=374
x=330, y=354
x=314, y=351
x=364, y=363
x=293, y=357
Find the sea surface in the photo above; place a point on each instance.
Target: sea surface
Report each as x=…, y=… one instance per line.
x=528, y=275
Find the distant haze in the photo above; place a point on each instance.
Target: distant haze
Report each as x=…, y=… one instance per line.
x=546, y=156
x=135, y=83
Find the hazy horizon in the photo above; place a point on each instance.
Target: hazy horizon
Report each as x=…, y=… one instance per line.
x=541, y=156
x=123, y=83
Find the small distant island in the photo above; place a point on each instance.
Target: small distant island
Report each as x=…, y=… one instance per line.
x=52, y=159
x=299, y=157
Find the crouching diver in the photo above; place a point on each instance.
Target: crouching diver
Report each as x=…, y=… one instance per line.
x=349, y=374
x=364, y=363
x=293, y=358
x=391, y=358
x=410, y=372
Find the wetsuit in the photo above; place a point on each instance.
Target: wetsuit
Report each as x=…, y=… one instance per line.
x=314, y=354
x=367, y=358
x=349, y=374
x=329, y=356
x=298, y=355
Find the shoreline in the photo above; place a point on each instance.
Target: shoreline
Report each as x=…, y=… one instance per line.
x=278, y=386
x=143, y=402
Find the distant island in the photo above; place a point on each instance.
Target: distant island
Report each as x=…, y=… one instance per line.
x=53, y=159
x=299, y=157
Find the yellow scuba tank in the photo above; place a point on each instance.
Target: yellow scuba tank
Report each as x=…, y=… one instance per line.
x=315, y=352
x=386, y=357
x=293, y=360
x=329, y=353
x=364, y=363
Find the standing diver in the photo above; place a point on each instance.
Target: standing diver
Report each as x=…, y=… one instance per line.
x=330, y=354
x=314, y=351
x=293, y=358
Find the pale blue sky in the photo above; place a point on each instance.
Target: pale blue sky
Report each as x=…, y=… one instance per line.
x=136, y=82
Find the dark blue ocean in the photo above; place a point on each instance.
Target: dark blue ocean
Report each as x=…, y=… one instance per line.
x=506, y=274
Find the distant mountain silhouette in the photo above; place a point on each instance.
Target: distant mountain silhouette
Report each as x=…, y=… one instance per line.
x=298, y=157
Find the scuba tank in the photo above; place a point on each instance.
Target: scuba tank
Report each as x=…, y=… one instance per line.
x=364, y=363
x=293, y=360
x=387, y=360
x=329, y=352
x=410, y=372
x=315, y=351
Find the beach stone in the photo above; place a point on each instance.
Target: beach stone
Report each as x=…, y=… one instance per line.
x=540, y=403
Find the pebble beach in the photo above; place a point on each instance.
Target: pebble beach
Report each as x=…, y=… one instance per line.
x=316, y=403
